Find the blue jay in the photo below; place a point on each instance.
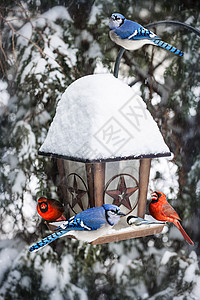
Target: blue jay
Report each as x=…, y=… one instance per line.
x=137, y=221
x=132, y=36
x=86, y=226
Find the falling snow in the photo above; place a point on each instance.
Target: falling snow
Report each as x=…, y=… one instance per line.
x=80, y=119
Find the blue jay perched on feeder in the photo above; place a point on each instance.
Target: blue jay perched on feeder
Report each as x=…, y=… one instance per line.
x=86, y=226
x=132, y=36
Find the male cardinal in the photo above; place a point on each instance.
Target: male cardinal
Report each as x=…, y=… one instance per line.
x=50, y=210
x=161, y=210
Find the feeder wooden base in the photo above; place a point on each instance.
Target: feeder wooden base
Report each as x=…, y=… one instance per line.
x=129, y=234
x=124, y=234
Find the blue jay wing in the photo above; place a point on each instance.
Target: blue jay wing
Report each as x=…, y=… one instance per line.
x=123, y=34
x=94, y=217
x=127, y=29
x=91, y=219
x=142, y=33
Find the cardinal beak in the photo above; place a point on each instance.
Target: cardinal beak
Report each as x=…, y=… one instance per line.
x=154, y=196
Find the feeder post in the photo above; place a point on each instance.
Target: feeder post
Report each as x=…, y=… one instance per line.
x=144, y=172
x=63, y=185
x=96, y=182
x=117, y=62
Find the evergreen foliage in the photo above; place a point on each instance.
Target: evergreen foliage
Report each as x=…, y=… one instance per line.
x=45, y=46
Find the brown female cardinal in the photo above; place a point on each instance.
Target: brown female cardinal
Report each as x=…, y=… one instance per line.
x=50, y=210
x=161, y=210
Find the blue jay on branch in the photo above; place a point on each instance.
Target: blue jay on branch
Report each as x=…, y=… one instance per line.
x=132, y=36
x=86, y=226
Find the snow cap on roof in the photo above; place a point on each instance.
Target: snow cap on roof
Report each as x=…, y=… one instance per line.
x=100, y=118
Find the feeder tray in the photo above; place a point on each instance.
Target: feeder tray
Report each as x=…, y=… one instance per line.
x=129, y=233
x=120, y=232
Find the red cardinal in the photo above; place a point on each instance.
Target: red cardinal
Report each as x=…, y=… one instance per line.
x=161, y=210
x=50, y=210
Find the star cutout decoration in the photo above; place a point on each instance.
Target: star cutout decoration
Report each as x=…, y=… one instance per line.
x=122, y=193
x=76, y=193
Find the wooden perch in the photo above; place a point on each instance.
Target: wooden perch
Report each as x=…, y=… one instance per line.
x=122, y=232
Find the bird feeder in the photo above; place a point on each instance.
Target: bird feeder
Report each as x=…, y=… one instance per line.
x=104, y=138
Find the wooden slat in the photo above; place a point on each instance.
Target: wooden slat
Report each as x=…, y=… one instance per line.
x=99, y=183
x=90, y=182
x=128, y=233
x=115, y=237
x=145, y=165
x=96, y=182
x=63, y=186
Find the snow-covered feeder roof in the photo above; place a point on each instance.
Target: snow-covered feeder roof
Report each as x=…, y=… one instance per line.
x=100, y=118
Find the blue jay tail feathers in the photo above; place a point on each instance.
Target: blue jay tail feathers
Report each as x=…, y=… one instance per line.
x=168, y=47
x=47, y=240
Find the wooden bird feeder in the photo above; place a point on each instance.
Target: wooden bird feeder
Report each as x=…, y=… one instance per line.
x=104, y=138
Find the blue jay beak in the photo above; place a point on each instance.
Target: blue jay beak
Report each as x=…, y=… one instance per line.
x=121, y=214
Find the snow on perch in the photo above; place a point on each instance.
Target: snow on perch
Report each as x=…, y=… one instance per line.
x=100, y=118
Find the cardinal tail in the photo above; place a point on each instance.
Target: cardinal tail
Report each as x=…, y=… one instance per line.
x=47, y=240
x=168, y=47
x=184, y=234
